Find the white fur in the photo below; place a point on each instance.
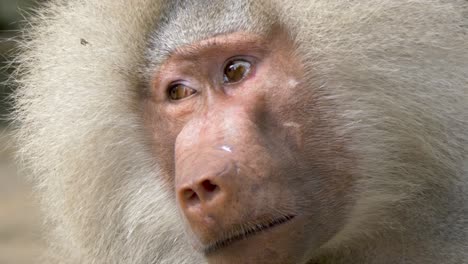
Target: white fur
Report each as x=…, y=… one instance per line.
x=395, y=72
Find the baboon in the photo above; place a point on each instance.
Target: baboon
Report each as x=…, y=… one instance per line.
x=267, y=131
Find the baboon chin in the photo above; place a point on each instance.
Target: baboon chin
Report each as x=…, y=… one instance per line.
x=222, y=132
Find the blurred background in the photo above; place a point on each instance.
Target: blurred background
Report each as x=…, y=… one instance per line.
x=20, y=233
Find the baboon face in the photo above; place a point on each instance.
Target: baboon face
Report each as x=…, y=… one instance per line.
x=251, y=169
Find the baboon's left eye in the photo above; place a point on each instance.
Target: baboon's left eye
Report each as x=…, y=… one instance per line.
x=236, y=70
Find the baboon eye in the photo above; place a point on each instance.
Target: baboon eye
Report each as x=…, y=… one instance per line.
x=180, y=91
x=236, y=70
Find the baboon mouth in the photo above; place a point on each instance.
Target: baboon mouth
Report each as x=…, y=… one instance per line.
x=246, y=233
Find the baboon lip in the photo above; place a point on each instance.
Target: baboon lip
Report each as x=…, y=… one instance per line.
x=247, y=233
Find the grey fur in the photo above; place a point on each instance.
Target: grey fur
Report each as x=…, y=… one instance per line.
x=396, y=70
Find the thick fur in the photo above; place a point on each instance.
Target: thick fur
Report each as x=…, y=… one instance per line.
x=396, y=72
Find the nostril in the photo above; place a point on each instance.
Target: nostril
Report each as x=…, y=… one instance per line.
x=190, y=196
x=199, y=193
x=209, y=186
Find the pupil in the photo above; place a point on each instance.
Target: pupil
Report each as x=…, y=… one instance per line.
x=236, y=71
x=176, y=92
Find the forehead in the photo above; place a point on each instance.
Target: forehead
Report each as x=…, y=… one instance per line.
x=186, y=22
x=238, y=42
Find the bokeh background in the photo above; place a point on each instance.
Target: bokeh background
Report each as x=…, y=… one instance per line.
x=20, y=232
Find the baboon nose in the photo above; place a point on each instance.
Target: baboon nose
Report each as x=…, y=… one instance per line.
x=206, y=190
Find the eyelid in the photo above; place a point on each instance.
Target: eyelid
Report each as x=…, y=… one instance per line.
x=252, y=60
x=175, y=83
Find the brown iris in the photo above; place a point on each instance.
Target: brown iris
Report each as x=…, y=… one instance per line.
x=180, y=91
x=236, y=70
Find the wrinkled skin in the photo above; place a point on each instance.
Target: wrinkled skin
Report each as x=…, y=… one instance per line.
x=238, y=145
